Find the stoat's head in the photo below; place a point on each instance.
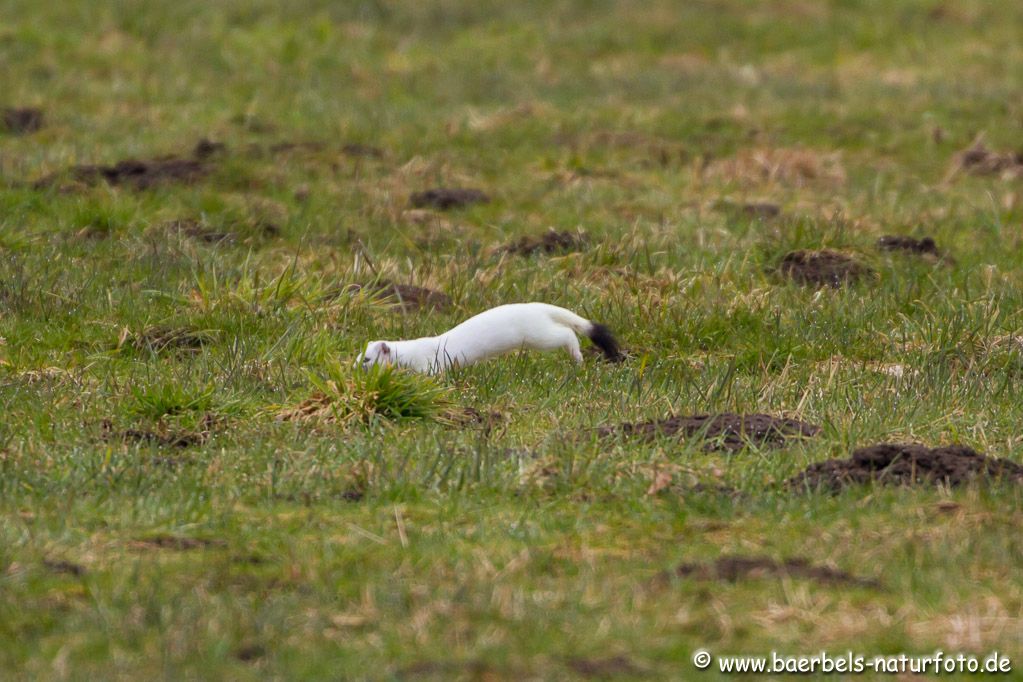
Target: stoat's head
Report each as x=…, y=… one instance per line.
x=376, y=353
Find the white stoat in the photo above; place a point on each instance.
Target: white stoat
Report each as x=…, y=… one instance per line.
x=500, y=330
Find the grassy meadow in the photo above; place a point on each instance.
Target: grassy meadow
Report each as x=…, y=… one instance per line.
x=195, y=484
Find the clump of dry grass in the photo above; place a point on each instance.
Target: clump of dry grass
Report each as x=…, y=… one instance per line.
x=786, y=166
x=368, y=396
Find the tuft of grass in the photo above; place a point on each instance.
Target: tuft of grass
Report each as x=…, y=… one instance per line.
x=368, y=396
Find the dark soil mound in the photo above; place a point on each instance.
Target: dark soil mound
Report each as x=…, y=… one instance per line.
x=141, y=174
x=734, y=568
x=822, y=268
x=405, y=296
x=906, y=464
x=447, y=198
x=722, y=431
x=977, y=159
x=22, y=120
x=925, y=247
x=550, y=242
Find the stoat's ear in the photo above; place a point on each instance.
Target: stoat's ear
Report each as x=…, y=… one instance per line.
x=384, y=348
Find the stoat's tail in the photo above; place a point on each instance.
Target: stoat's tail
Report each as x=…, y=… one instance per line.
x=598, y=333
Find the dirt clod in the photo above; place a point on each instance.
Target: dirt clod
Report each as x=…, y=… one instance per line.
x=721, y=431
x=735, y=568
x=140, y=174
x=406, y=296
x=925, y=247
x=22, y=120
x=550, y=242
x=906, y=464
x=445, y=199
x=822, y=268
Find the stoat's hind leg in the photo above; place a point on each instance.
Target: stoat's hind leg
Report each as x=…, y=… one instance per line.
x=572, y=346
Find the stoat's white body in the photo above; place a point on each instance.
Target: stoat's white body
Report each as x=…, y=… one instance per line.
x=497, y=331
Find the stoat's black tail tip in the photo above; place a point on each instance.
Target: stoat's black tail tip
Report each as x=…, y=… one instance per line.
x=603, y=339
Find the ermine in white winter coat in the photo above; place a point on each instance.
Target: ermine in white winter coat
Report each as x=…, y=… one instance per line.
x=500, y=330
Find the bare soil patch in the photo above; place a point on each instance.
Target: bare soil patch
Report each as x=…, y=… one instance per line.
x=445, y=199
x=735, y=568
x=405, y=296
x=22, y=120
x=550, y=242
x=822, y=268
x=726, y=431
x=139, y=174
x=905, y=465
x=978, y=159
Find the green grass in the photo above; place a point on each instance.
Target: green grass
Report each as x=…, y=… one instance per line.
x=353, y=545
